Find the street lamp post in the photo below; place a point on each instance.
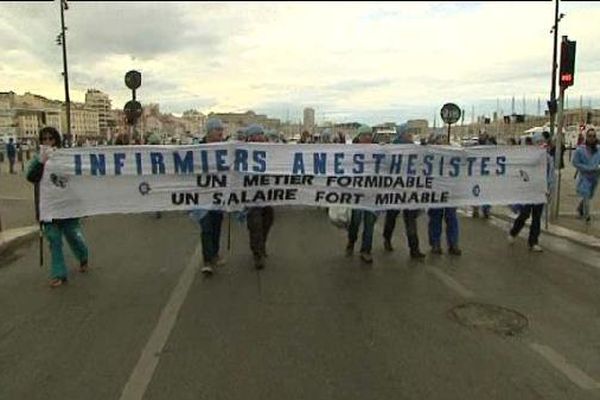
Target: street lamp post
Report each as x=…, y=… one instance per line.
x=64, y=6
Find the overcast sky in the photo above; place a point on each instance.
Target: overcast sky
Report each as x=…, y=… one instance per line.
x=367, y=62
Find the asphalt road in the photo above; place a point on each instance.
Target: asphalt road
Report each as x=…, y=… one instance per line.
x=314, y=324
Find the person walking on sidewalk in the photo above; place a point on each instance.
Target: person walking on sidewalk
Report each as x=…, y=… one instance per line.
x=11, y=154
x=587, y=161
x=49, y=139
x=534, y=210
x=409, y=216
x=368, y=218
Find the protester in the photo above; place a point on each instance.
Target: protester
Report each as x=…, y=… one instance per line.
x=50, y=139
x=587, y=161
x=368, y=218
x=534, y=210
x=259, y=219
x=211, y=220
x=409, y=216
x=448, y=214
x=11, y=154
x=305, y=138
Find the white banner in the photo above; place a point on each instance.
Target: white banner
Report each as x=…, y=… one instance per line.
x=233, y=175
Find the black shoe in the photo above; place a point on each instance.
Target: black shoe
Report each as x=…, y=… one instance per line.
x=417, y=255
x=476, y=214
x=486, y=215
x=387, y=245
x=436, y=250
x=349, y=249
x=455, y=251
x=366, y=257
x=259, y=262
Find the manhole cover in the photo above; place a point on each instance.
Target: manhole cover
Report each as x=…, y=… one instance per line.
x=490, y=317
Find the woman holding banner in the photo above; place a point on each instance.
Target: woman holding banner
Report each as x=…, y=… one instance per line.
x=49, y=139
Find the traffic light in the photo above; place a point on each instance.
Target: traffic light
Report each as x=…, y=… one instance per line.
x=567, y=62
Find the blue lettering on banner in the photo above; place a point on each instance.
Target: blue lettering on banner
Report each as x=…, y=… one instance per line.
x=428, y=163
x=260, y=159
x=158, y=163
x=138, y=163
x=501, y=162
x=204, y=159
x=298, y=164
x=221, y=160
x=338, y=162
x=455, y=164
x=98, y=164
x=379, y=157
x=471, y=161
x=410, y=169
x=484, y=166
x=241, y=160
x=185, y=165
x=119, y=162
x=320, y=163
x=359, y=163
x=396, y=164
x=77, y=164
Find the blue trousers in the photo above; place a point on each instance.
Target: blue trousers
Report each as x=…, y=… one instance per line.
x=368, y=218
x=211, y=234
x=54, y=232
x=436, y=215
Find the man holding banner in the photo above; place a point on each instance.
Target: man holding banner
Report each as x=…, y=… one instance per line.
x=409, y=216
x=213, y=219
x=260, y=219
x=448, y=214
x=367, y=217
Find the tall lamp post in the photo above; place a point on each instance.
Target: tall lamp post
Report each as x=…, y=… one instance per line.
x=62, y=40
x=552, y=106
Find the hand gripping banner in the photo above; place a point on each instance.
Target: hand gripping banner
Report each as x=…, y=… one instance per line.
x=233, y=175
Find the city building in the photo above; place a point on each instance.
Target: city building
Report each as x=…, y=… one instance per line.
x=99, y=102
x=308, y=122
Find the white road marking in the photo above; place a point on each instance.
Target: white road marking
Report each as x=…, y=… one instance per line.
x=144, y=369
x=575, y=375
x=451, y=283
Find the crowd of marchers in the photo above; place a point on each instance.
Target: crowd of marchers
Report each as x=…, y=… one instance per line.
x=259, y=219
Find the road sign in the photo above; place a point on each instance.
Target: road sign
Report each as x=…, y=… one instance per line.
x=133, y=79
x=133, y=110
x=450, y=113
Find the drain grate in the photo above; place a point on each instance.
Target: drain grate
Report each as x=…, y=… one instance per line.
x=490, y=317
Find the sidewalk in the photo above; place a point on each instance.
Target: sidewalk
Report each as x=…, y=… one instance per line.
x=570, y=228
x=13, y=237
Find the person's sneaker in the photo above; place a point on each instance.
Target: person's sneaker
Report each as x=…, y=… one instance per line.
x=537, y=248
x=259, y=262
x=436, y=250
x=349, y=249
x=387, y=245
x=207, y=270
x=510, y=238
x=366, y=257
x=218, y=261
x=83, y=266
x=56, y=282
x=455, y=251
x=417, y=255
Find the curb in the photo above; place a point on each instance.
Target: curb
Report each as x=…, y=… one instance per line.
x=12, y=238
x=560, y=232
